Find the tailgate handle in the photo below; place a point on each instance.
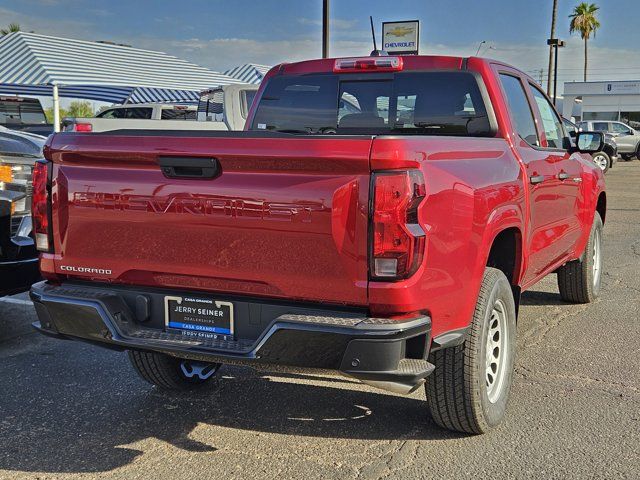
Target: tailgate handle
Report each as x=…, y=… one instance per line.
x=189, y=167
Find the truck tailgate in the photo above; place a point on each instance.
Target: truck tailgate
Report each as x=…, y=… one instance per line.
x=285, y=217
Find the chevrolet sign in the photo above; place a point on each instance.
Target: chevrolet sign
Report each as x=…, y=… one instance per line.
x=401, y=38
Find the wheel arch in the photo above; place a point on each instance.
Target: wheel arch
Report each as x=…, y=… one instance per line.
x=601, y=205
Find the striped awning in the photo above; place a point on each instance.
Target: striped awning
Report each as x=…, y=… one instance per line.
x=248, y=73
x=30, y=63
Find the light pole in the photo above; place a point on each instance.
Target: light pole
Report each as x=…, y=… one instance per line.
x=325, y=28
x=480, y=46
x=555, y=43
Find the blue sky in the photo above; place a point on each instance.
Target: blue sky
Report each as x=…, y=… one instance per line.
x=220, y=34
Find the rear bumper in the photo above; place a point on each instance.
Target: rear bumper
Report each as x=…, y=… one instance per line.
x=386, y=353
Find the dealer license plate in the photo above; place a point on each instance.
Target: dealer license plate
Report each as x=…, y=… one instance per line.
x=199, y=317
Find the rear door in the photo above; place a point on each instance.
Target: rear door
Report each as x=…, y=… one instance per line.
x=282, y=217
x=541, y=174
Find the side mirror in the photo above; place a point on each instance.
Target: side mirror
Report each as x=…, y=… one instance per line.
x=589, y=142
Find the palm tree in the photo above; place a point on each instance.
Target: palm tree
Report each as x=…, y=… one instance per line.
x=583, y=20
x=553, y=35
x=13, y=27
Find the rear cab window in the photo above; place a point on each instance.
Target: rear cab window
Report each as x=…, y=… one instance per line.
x=423, y=103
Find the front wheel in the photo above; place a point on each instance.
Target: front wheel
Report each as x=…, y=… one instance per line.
x=579, y=280
x=469, y=388
x=602, y=160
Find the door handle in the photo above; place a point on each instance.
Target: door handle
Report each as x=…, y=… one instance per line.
x=536, y=179
x=189, y=167
x=563, y=175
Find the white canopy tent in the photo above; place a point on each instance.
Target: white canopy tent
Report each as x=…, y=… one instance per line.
x=248, y=73
x=31, y=62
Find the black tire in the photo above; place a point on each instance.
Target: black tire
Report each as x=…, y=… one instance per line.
x=602, y=160
x=626, y=157
x=579, y=281
x=458, y=389
x=165, y=371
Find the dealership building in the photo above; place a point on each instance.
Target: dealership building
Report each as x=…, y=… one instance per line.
x=619, y=100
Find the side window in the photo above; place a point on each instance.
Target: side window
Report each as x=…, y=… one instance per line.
x=550, y=122
x=601, y=126
x=620, y=128
x=520, y=109
x=112, y=113
x=138, y=113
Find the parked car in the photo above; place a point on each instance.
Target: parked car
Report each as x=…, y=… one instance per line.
x=25, y=114
x=18, y=255
x=606, y=158
x=222, y=108
x=627, y=138
x=388, y=244
x=229, y=104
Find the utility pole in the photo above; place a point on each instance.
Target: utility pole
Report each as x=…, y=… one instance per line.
x=325, y=28
x=551, y=49
x=554, y=43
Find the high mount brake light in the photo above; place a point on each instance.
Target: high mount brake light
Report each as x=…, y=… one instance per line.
x=398, y=241
x=83, y=127
x=41, y=206
x=374, y=64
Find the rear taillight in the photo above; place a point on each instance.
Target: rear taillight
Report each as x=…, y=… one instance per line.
x=82, y=127
x=398, y=241
x=41, y=207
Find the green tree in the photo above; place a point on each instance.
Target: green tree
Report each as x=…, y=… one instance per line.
x=77, y=108
x=13, y=27
x=584, y=21
x=80, y=109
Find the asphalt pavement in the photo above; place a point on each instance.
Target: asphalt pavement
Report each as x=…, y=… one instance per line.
x=68, y=409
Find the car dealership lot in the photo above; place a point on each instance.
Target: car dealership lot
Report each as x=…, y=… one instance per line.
x=68, y=408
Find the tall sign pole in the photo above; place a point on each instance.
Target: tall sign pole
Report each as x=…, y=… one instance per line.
x=325, y=28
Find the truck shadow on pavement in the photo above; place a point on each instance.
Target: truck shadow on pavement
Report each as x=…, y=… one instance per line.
x=71, y=408
x=533, y=297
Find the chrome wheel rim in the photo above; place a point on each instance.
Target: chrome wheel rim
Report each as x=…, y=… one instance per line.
x=601, y=161
x=495, y=361
x=597, y=258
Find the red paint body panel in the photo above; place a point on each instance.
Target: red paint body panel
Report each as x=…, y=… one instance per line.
x=288, y=218
x=284, y=219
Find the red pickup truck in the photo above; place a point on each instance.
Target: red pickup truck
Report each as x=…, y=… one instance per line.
x=380, y=217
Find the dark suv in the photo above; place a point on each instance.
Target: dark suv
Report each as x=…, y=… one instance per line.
x=607, y=157
x=18, y=255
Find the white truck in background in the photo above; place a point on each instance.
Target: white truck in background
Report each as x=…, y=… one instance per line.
x=219, y=108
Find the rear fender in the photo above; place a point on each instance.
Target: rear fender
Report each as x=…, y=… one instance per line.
x=501, y=219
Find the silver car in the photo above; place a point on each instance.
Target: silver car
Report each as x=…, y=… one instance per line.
x=627, y=138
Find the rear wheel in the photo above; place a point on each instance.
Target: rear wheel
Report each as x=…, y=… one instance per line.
x=171, y=373
x=579, y=280
x=602, y=160
x=469, y=388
